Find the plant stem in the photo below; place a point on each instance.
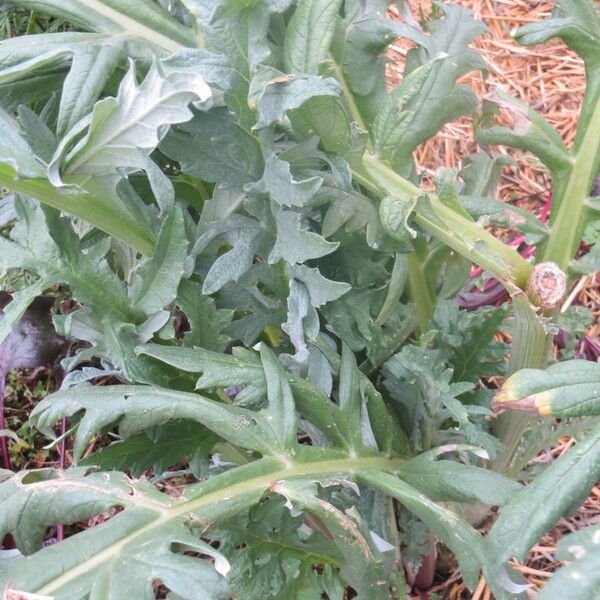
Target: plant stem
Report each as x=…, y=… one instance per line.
x=349, y=98
x=566, y=229
x=97, y=210
x=419, y=291
x=530, y=349
x=3, y=441
x=467, y=238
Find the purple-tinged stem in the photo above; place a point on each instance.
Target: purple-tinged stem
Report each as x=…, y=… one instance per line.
x=3, y=441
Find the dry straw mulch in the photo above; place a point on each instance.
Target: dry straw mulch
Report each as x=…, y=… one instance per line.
x=549, y=78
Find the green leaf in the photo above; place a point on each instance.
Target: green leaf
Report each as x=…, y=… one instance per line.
x=575, y=21
x=394, y=212
x=325, y=117
x=358, y=52
x=270, y=557
x=281, y=413
x=393, y=120
x=157, y=278
x=213, y=147
x=530, y=132
x=448, y=480
x=289, y=92
x=92, y=65
x=122, y=129
x=138, y=407
x=49, y=247
x=123, y=557
x=309, y=290
x=158, y=449
x=481, y=173
x=15, y=151
x=207, y=322
x=580, y=573
x=563, y=485
x=21, y=300
x=141, y=18
x=294, y=243
x=309, y=34
x=468, y=340
x=395, y=289
x=321, y=289
x=567, y=389
x=279, y=183
x=589, y=262
x=458, y=535
x=362, y=567
x=248, y=24
x=349, y=399
x=234, y=263
x=243, y=369
x=445, y=56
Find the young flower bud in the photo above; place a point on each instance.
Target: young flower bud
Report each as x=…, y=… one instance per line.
x=547, y=285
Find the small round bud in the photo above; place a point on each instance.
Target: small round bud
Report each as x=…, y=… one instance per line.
x=547, y=285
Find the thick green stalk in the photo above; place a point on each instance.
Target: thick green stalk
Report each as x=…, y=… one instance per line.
x=565, y=235
x=100, y=211
x=467, y=238
x=530, y=349
x=419, y=291
x=349, y=99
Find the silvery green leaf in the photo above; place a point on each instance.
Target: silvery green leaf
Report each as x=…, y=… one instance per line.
x=213, y=147
x=309, y=34
x=454, y=532
x=222, y=21
x=15, y=151
x=207, y=322
x=278, y=181
x=363, y=567
x=158, y=448
x=234, y=263
x=102, y=561
x=112, y=136
x=580, y=550
x=157, y=278
x=281, y=412
x=162, y=187
x=448, y=480
x=394, y=213
x=447, y=54
x=538, y=506
x=320, y=289
x=294, y=243
x=38, y=135
x=288, y=92
x=92, y=65
x=530, y=132
x=17, y=307
x=212, y=67
x=302, y=320
x=565, y=389
x=142, y=18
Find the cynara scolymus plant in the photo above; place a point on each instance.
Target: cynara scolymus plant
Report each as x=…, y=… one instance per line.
x=227, y=192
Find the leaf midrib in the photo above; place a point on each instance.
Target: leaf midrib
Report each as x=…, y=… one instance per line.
x=346, y=465
x=132, y=26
